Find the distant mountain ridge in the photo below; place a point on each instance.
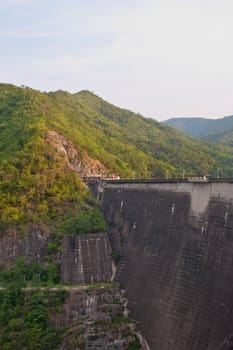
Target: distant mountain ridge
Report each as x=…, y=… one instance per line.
x=209, y=129
x=49, y=141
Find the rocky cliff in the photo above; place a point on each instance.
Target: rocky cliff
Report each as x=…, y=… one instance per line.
x=76, y=161
x=32, y=245
x=97, y=318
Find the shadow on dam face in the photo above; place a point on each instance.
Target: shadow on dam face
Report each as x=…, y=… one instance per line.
x=174, y=244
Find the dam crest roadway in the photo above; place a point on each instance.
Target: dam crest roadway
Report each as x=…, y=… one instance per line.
x=173, y=245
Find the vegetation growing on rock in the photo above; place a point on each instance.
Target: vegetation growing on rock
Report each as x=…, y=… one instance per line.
x=49, y=140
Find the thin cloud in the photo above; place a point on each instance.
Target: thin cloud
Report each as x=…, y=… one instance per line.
x=165, y=57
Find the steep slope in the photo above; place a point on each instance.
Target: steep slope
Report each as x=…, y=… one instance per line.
x=174, y=247
x=202, y=127
x=172, y=151
x=49, y=140
x=39, y=169
x=219, y=131
x=222, y=137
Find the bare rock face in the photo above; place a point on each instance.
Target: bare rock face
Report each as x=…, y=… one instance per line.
x=32, y=246
x=96, y=319
x=80, y=163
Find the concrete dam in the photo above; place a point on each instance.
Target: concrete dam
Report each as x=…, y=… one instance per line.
x=173, y=245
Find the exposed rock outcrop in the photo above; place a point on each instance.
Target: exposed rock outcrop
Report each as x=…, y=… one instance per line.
x=97, y=318
x=79, y=162
x=32, y=245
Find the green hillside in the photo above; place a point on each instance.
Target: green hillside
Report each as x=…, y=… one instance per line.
x=207, y=129
x=165, y=150
x=38, y=184
x=48, y=141
x=222, y=137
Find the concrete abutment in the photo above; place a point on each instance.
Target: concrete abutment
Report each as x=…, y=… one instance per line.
x=174, y=242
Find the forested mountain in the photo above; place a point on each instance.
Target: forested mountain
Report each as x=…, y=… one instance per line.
x=208, y=129
x=48, y=143
x=49, y=140
x=223, y=138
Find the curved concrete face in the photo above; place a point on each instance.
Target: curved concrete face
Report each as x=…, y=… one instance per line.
x=174, y=243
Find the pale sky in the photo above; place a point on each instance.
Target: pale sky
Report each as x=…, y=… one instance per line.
x=161, y=58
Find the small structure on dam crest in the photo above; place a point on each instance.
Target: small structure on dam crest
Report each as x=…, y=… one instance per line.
x=86, y=258
x=174, y=241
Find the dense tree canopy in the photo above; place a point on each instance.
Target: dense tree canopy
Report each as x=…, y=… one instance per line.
x=37, y=186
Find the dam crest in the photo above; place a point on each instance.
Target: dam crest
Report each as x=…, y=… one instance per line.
x=173, y=245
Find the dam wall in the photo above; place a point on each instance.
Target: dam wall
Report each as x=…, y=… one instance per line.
x=173, y=242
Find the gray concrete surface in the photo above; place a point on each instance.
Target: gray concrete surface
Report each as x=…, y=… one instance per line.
x=174, y=247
